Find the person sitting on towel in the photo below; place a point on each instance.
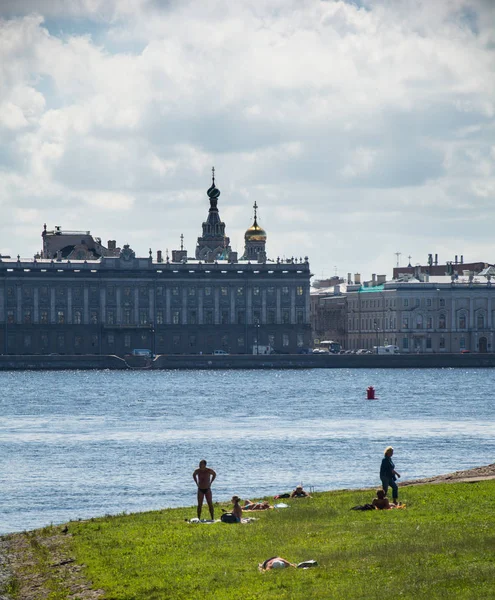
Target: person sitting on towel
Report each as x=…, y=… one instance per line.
x=300, y=493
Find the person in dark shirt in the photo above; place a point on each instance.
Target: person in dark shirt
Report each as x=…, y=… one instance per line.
x=388, y=474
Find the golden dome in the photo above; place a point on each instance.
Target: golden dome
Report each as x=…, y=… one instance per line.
x=255, y=233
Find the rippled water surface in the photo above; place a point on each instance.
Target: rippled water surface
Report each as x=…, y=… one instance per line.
x=75, y=444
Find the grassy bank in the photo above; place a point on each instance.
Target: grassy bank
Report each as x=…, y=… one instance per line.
x=441, y=546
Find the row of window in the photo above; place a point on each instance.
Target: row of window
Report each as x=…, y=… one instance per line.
x=128, y=291
x=227, y=342
x=416, y=322
x=128, y=316
x=392, y=303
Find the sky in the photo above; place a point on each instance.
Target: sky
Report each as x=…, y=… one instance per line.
x=361, y=128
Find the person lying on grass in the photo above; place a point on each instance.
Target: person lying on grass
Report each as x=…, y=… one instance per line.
x=248, y=505
x=276, y=562
x=300, y=493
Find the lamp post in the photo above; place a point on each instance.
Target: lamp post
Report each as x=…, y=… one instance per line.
x=257, y=325
x=152, y=332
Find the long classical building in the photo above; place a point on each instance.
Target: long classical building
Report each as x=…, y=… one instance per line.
x=80, y=297
x=416, y=312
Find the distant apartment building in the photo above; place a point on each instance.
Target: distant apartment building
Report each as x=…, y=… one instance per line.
x=78, y=296
x=417, y=312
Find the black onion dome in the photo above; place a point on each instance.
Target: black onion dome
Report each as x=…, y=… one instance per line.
x=213, y=191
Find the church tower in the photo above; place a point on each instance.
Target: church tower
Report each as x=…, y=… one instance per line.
x=255, y=241
x=213, y=244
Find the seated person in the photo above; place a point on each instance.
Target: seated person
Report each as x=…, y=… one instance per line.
x=237, y=510
x=300, y=493
x=248, y=505
x=275, y=562
x=381, y=501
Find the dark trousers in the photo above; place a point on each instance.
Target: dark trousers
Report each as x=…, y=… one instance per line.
x=391, y=482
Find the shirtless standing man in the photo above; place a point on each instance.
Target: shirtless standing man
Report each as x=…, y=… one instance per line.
x=204, y=477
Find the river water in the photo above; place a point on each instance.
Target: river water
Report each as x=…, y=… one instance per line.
x=77, y=444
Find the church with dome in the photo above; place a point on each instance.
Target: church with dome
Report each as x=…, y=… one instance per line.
x=78, y=296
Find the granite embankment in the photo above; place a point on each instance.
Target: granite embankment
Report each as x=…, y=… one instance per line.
x=247, y=361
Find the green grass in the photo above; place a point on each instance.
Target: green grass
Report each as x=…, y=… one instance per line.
x=441, y=546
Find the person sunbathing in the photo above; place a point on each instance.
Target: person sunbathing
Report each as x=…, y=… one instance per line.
x=300, y=493
x=381, y=502
x=276, y=562
x=248, y=505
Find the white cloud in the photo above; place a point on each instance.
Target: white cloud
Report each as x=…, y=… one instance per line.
x=343, y=122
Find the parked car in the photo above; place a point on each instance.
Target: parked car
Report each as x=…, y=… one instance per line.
x=220, y=352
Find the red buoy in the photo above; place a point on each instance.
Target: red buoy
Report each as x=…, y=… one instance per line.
x=370, y=393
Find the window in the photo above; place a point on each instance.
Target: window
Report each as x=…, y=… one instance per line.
x=240, y=341
x=224, y=317
x=285, y=290
x=143, y=316
x=299, y=316
x=43, y=317
x=60, y=317
x=441, y=344
x=300, y=340
x=77, y=319
x=428, y=343
x=159, y=317
x=127, y=340
x=428, y=302
x=44, y=341
x=256, y=317
x=207, y=291
x=143, y=292
x=405, y=343
x=442, y=302
x=61, y=293
x=429, y=323
x=405, y=322
x=192, y=291
x=27, y=316
x=271, y=315
x=10, y=292
x=285, y=340
x=111, y=339
x=43, y=292
x=271, y=290
x=223, y=291
x=192, y=341
x=462, y=321
x=241, y=317
x=111, y=292
x=225, y=341
x=127, y=317
x=441, y=321
x=271, y=340
x=299, y=290
x=285, y=316
x=462, y=343
x=27, y=340
x=480, y=321
x=11, y=316
x=77, y=342
x=93, y=317
x=110, y=316
x=406, y=302
x=419, y=322
x=159, y=290
x=175, y=291
x=61, y=341
x=176, y=317
x=240, y=290
x=127, y=291
x=208, y=316
x=417, y=302
x=192, y=317
x=256, y=291
x=176, y=341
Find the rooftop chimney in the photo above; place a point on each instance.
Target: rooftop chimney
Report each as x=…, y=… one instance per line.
x=357, y=278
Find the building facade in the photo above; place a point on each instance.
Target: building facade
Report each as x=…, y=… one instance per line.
x=426, y=315
x=118, y=302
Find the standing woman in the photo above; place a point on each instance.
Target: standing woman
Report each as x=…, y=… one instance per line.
x=388, y=474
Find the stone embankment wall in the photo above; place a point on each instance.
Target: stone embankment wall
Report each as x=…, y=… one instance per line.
x=240, y=361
